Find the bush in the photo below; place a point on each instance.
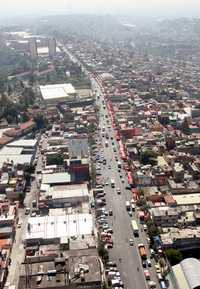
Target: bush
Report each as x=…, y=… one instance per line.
x=174, y=256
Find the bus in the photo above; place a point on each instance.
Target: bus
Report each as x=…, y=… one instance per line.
x=135, y=228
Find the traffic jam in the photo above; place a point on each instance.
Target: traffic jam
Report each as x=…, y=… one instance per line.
x=104, y=140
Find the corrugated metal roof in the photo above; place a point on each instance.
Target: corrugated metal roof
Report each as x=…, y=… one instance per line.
x=191, y=269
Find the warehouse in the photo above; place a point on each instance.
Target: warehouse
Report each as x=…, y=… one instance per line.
x=62, y=196
x=50, y=229
x=55, y=93
x=187, y=274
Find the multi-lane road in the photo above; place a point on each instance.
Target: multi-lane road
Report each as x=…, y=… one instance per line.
x=127, y=257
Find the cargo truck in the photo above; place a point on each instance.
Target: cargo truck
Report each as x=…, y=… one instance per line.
x=142, y=251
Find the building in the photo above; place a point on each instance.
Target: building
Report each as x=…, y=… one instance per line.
x=33, y=48
x=65, y=196
x=187, y=274
x=58, y=229
x=182, y=239
x=80, y=269
x=56, y=179
x=55, y=93
x=52, y=47
x=165, y=216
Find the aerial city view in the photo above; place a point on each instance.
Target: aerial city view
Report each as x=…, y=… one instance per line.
x=100, y=144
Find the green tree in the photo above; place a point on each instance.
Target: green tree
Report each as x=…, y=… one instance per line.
x=56, y=160
x=174, y=256
x=40, y=121
x=148, y=157
x=103, y=253
x=152, y=229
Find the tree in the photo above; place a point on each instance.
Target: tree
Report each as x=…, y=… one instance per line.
x=103, y=253
x=56, y=160
x=28, y=97
x=40, y=121
x=148, y=157
x=174, y=256
x=152, y=229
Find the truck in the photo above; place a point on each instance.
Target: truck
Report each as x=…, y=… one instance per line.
x=112, y=182
x=142, y=251
x=134, y=227
x=106, y=143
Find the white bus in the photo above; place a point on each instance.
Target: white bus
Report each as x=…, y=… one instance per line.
x=134, y=227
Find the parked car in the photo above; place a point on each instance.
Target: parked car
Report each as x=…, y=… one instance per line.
x=149, y=262
x=131, y=242
x=147, y=274
x=110, y=212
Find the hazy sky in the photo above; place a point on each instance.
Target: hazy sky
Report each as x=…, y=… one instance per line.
x=139, y=7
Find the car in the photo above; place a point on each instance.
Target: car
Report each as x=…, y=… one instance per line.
x=19, y=225
x=111, y=264
x=131, y=242
x=147, y=274
x=33, y=214
x=149, y=262
x=120, y=176
x=110, y=212
x=145, y=227
x=106, y=184
x=27, y=211
x=108, y=230
x=118, y=191
x=144, y=264
x=109, y=246
x=152, y=284
x=130, y=213
x=109, y=167
x=152, y=252
x=123, y=180
x=114, y=150
x=157, y=267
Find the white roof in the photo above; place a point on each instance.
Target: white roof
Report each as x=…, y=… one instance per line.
x=191, y=269
x=54, y=91
x=23, y=143
x=17, y=159
x=187, y=199
x=11, y=151
x=69, y=191
x=48, y=227
x=56, y=178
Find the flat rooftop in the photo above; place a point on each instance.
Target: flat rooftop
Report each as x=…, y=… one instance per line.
x=69, y=191
x=56, y=178
x=23, y=143
x=55, y=91
x=187, y=199
x=54, y=276
x=66, y=226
